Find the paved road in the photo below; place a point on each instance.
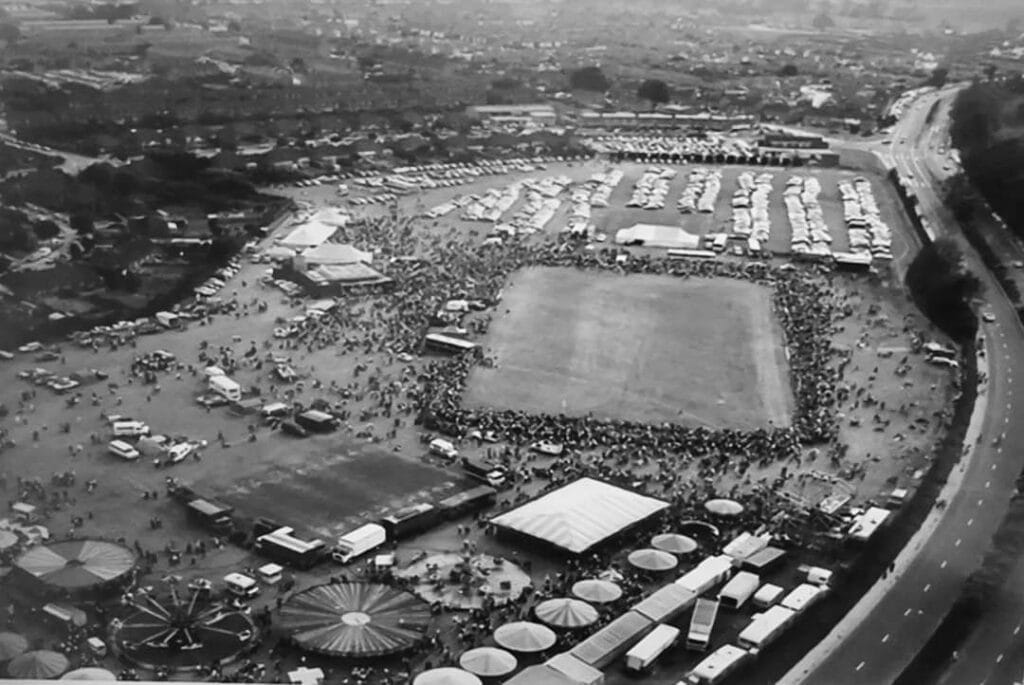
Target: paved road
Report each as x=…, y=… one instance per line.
x=913, y=602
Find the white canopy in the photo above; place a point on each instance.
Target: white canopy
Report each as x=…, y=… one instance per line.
x=653, y=235
x=308, y=235
x=336, y=253
x=581, y=514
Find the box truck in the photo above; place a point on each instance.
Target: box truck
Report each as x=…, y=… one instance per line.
x=645, y=653
x=358, y=542
x=701, y=624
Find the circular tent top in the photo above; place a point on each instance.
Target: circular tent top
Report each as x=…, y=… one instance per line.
x=565, y=612
x=674, y=543
x=90, y=673
x=525, y=637
x=597, y=591
x=446, y=676
x=724, y=507
x=41, y=664
x=488, y=662
x=11, y=645
x=77, y=564
x=355, y=619
x=652, y=560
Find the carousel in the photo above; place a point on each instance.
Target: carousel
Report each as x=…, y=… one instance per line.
x=461, y=581
x=180, y=628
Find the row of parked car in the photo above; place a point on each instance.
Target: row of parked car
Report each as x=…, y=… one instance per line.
x=750, y=206
x=215, y=283
x=701, y=191
x=867, y=232
x=811, y=234
x=133, y=439
x=651, y=188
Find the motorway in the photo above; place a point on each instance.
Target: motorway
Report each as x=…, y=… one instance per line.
x=893, y=624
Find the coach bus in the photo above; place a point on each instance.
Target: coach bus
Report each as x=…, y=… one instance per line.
x=683, y=253
x=448, y=343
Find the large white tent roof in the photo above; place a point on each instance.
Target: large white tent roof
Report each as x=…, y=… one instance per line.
x=580, y=515
x=336, y=253
x=309, y=234
x=654, y=235
x=332, y=216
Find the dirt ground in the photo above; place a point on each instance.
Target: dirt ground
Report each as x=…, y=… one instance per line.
x=640, y=347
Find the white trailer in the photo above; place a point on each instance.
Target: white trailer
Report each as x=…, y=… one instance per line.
x=707, y=574
x=717, y=666
x=168, y=319
x=738, y=590
x=645, y=653
x=802, y=597
x=765, y=627
x=358, y=542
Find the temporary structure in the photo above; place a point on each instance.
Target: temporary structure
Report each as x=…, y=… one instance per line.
x=77, y=565
x=11, y=645
x=724, y=507
x=446, y=676
x=355, y=619
x=38, y=665
x=597, y=591
x=580, y=515
x=90, y=673
x=652, y=560
x=674, y=543
x=525, y=637
x=488, y=662
x=565, y=612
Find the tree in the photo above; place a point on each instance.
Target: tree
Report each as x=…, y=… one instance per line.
x=589, y=78
x=654, y=90
x=788, y=70
x=938, y=77
x=822, y=21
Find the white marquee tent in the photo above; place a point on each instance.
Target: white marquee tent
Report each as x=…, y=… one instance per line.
x=308, y=235
x=580, y=515
x=653, y=235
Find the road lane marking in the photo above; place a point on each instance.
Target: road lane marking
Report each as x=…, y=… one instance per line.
x=999, y=659
x=943, y=564
x=927, y=587
x=885, y=639
x=970, y=522
x=860, y=666
x=1017, y=629
x=993, y=467
x=957, y=543
x=907, y=612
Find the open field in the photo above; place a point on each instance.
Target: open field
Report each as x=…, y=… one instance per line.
x=644, y=348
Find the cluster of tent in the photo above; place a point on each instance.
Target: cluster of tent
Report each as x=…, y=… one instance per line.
x=701, y=191
x=606, y=183
x=541, y=204
x=750, y=206
x=810, y=232
x=492, y=204
x=868, y=233
x=650, y=189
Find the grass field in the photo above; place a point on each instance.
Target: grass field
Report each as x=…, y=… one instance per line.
x=640, y=347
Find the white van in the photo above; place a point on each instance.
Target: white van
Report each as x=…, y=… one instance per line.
x=120, y=448
x=129, y=429
x=241, y=586
x=443, y=448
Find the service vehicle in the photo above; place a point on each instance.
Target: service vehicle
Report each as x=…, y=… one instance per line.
x=123, y=450
x=241, y=585
x=358, y=542
x=644, y=653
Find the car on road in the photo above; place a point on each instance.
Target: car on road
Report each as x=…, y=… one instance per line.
x=989, y=317
x=1017, y=264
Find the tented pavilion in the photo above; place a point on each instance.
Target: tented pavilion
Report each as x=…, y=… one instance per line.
x=580, y=515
